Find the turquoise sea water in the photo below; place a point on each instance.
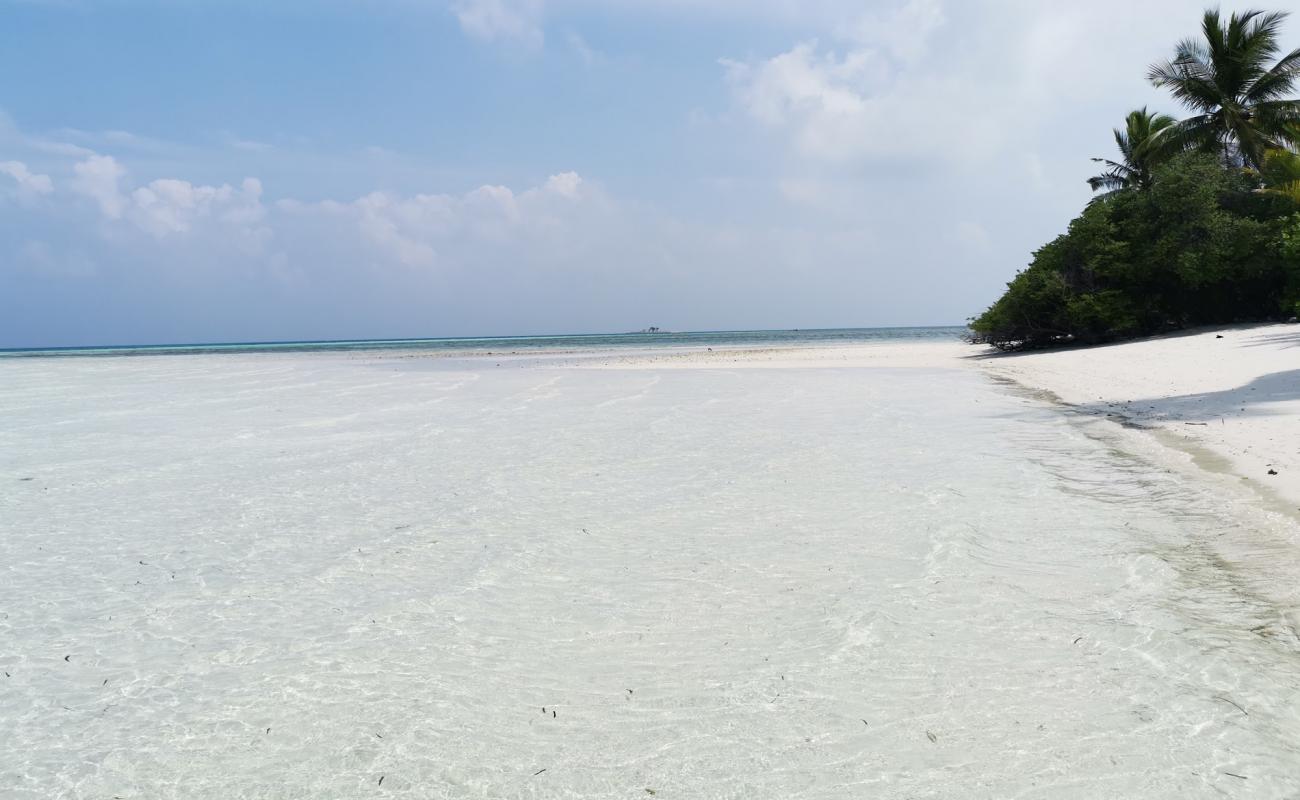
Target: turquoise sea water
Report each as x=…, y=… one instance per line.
x=524, y=343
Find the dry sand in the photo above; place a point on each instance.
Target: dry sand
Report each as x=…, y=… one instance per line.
x=1229, y=398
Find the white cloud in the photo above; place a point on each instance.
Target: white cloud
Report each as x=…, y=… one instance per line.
x=565, y=184
x=516, y=21
x=29, y=183
x=838, y=106
x=170, y=206
x=414, y=230
x=903, y=33
x=167, y=205
x=960, y=83
x=97, y=178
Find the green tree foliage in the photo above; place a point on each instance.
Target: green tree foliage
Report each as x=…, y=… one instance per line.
x=1291, y=265
x=1200, y=246
x=1201, y=222
x=1280, y=173
x=1139, y=153
x=1242, y=103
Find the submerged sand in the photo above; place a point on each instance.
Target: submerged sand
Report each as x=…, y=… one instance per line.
x=797, y=572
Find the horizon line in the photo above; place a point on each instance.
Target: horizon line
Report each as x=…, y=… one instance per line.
x=400, y=340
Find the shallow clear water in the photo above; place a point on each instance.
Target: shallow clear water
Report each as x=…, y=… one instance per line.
x=526, y=344
x=292, y=576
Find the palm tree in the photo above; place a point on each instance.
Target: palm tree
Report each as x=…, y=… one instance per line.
x=1139, y=146
x=1280, y=173
x=1244, y=105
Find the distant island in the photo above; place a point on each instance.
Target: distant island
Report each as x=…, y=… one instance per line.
x=1197, y=221
x=653, y=329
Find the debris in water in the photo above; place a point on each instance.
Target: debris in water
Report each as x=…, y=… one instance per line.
x=931, y=736
x=381, y=779
x=1234, y=705
x=539, y=772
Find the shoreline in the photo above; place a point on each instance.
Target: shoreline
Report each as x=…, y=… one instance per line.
x=1226, y=400
x=1222, y=403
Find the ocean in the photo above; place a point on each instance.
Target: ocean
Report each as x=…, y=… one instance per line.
x=472, y=345
x=332, y=574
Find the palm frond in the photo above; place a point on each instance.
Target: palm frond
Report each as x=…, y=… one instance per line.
x=1134, y=142
x=1202, y=132
x=1277, y=82
x=1257, y=46
x=1213, y=40
x=1190, y=81
x=1110, y=180
x=1162, y=143
x=1280, y=172
x=1243, y=101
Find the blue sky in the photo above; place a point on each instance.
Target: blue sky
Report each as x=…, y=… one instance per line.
x=220, y=171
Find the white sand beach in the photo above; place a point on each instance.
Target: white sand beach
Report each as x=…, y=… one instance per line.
x=869, y=571
x=1233, y=393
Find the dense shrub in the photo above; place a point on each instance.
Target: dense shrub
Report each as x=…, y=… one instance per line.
x=1291, y=264
x=1201, y=245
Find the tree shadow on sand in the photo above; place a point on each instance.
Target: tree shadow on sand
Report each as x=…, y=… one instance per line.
x=1276, y=387
x=1290, y=339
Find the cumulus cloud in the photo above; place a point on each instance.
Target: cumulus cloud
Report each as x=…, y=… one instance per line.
x=413, y=230
x=566, y=184
x=29, y=183
x=97, y=178
x=952, y=82
x=168, y=206
x=855, y=102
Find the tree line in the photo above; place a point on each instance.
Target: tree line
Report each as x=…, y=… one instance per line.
x=1196, y=221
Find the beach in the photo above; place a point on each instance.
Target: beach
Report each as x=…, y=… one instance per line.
x=1229, y=397
x=892, y=569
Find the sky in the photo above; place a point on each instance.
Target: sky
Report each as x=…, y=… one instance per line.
x=242, y=170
